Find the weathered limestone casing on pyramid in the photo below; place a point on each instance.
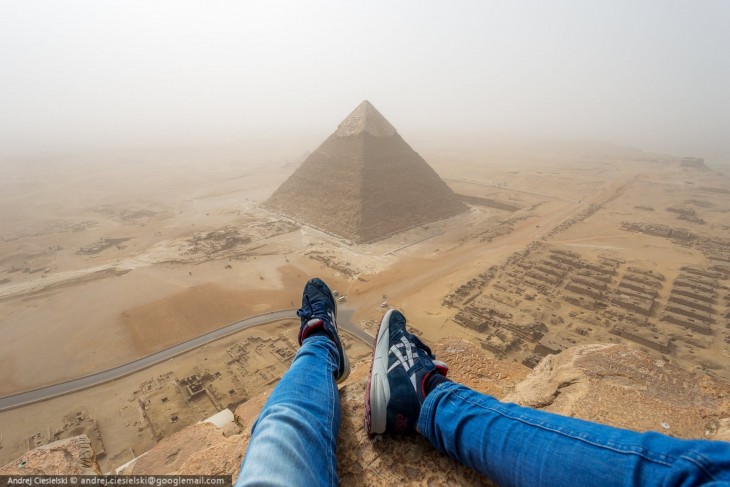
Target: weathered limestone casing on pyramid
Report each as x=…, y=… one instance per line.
x=365, y=183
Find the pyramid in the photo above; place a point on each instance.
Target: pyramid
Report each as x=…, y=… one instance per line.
x=364, y=183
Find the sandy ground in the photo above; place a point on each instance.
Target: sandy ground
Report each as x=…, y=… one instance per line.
x=188, y=250
x=115, y=405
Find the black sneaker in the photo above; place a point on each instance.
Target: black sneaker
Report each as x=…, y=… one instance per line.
x=319, y=311
x=401, y=365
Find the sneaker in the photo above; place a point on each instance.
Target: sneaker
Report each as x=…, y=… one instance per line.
x=396, y=388
x=319, y=312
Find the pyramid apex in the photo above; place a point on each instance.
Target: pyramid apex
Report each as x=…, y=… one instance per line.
x=365, y=118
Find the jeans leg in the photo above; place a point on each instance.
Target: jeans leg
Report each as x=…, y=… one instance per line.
x=293, y=441
x=520, y=446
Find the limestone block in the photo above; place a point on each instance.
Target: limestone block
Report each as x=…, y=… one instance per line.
x=72, y=456
x=624, y=387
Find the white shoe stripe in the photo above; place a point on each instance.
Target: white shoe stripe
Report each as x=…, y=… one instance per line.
x=405, y=360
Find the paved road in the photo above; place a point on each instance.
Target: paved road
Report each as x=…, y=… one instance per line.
x=48, y=392
x=344, y=321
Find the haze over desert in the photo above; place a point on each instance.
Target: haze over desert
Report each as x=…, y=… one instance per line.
x=164, y=199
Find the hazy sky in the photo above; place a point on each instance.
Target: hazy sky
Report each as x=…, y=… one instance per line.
x=652, y=74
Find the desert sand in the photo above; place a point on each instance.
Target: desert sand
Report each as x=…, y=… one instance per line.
x=107, y=259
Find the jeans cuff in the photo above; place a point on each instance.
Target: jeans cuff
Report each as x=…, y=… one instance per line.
x=428, y=409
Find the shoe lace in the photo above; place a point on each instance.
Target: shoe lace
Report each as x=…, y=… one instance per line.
x=311, y=310
x=421, y=345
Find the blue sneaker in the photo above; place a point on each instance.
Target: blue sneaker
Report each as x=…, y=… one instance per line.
x=396, y=388
x=319, y=312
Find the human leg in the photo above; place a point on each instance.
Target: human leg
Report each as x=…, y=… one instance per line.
x=294, y=439
x=515, y=445
x=293, y=442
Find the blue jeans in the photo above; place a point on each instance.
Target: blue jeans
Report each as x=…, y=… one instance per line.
x=294, y=440
x=515, y=445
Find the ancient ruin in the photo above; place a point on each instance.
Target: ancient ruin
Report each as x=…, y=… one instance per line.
x=364, y=183
x=545, y=299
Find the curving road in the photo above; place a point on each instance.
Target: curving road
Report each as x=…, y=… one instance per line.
x=61, y=388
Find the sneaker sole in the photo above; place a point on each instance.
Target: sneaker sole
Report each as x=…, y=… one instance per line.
x=346, y=365
x=378, y=391
x=346, y=361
